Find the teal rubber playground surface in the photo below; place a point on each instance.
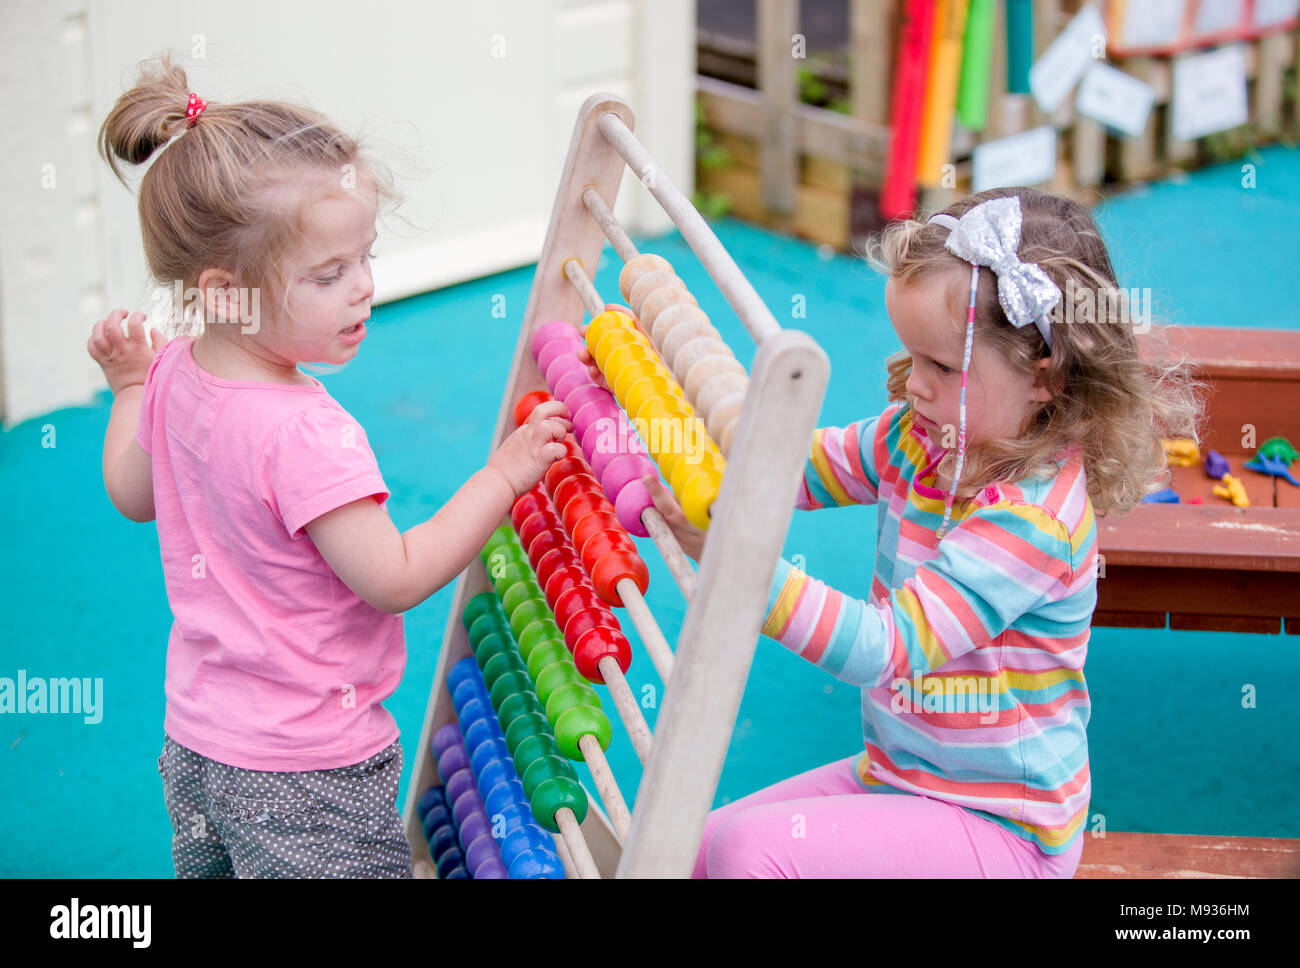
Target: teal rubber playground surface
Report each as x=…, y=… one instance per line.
x=1172, y=747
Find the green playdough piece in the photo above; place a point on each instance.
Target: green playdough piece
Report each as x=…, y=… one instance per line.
x=1279, y=447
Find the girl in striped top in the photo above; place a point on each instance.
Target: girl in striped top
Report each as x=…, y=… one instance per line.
x=1019, y=409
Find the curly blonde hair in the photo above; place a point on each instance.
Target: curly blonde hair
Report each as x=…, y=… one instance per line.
x=236, y=189
x=1113, y=397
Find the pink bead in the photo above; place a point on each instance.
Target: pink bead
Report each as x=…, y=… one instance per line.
x=586, y=417
x=570, y=382
x=631, y=501
x=584, y=395
x=555, y=349
x=601, y=443
x=561, y=365
x=548, y=331
x=619, y=472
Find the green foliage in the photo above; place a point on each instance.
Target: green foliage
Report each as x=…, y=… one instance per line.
x=709, y=156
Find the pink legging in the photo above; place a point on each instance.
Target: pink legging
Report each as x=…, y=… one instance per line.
x=824, y=823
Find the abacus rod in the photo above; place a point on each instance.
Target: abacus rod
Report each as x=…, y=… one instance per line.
x=628, y=710
x=570, y=871
x=574, y=272
x=609, y=225
x=679, y=565
x=579, y=852
x=652, y=637
x=610, y=795
x=738, y=291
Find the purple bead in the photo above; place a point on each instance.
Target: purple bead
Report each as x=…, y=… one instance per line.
x=475, y=826
x=466, y=804
x=548, y=331
x=452, y=760
x=628, y=505
x=460, y=781
x=445, y=737
x=559, y=349
x=481, y=849
x=491, y=869
x=570, y=382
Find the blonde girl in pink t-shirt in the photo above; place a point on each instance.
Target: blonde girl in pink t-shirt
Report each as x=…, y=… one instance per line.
x=285, y=575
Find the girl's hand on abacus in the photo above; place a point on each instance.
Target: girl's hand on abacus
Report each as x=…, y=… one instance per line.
x=688, y=535
x=526, y=454
x=124, y=358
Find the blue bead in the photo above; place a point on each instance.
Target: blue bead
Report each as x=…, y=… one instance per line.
x=428, y=798
x=487, y=751
x=497, y=771
x=457, y=873
x=449, y=861
x=466, y=668
x=505, y=794
x=442, y=838
x=484, y=728
x=527, y=837
x=435, y=818
x=533, y=864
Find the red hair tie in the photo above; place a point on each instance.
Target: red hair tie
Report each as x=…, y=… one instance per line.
x=194, y=109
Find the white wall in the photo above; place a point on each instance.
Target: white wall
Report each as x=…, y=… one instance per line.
x=423, y=79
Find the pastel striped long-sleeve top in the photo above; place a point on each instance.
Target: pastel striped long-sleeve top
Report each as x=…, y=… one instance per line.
x=969, y=651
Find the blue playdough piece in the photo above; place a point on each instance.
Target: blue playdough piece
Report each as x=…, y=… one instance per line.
x=1166, y=496
x=1275, y=466
x=1216, y=465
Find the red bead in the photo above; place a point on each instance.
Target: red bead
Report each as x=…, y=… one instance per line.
x=584, y=620
x=594, y=645
x=544, y=542
x=571, y=449
x=612, y=568
x=572, y=486
x=526, y=404
x=602, y=543
x=580, y=506
x=561, y=580
x=573, y=601
x=537, y=522
x=525, y=505
x=561, y=469
x=556, y=558
x=591, y=524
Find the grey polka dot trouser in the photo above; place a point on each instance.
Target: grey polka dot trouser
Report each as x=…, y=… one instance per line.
x=232, y=822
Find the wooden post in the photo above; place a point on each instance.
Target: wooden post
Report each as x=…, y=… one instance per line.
x=778, y=21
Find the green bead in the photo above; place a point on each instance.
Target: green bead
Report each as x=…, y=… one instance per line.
x=527, y=613
x=529, y=724
x=485, y=625
x=515, y=706
x=532, y=748
x=504, y=535
x=577, y=722
x=491, y=645
x=545, y=768
x=507, y=685
x=567, y=696
x=536, y=632
x=555, y=793
x=525, y=590
x=481, y=604
x=546, y=653
x=506, y=575
x=507, y=660
x=555, y=675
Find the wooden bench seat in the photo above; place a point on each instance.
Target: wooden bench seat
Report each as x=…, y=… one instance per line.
x=1187, y=856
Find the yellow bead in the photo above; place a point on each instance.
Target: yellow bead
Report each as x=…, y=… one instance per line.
x=698, y=495
x=608, y=343
x=705, y=459
x=630, y=374
x=602, y=324
x=621, y=357
x=647, y=385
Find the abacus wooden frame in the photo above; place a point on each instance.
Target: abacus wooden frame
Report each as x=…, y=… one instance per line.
x=750, y=517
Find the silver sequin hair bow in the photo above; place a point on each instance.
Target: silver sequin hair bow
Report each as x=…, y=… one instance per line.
x=989, y=235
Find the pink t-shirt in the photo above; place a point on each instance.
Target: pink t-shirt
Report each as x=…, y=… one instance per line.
x=273, y=663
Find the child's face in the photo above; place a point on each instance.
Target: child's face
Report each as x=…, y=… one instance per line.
x=930, y=319
x=330, y=286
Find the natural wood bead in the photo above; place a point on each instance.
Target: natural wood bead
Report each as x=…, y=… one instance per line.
x=723, y=414
x=696, y=350
x=715, y=391
x=684, y=328
x=659, y=300
x=705, y=370
x=650, y=282
x=637, y=267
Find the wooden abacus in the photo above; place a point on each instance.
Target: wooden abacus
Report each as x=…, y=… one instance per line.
x=764, y=421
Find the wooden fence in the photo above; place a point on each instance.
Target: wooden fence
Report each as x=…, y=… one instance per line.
x=816, y=173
